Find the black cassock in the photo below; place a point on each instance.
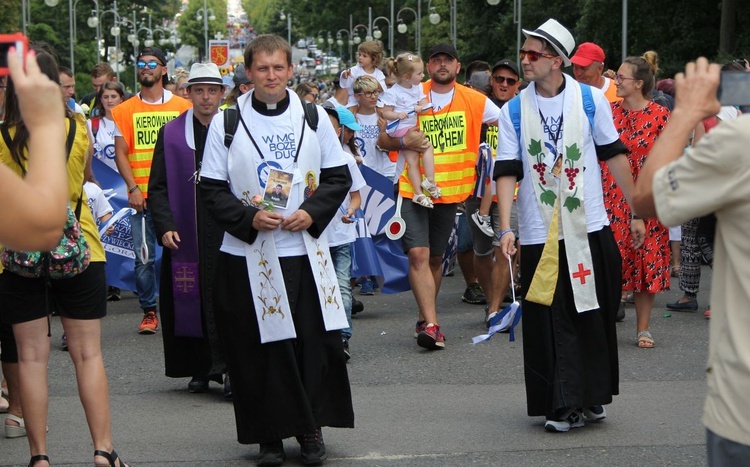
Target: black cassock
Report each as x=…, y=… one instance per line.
x=291, y=387
x=187, y=356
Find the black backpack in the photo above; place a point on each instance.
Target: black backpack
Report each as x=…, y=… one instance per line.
x=232, y=121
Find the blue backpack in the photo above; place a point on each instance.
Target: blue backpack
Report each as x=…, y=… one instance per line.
x=514, y=107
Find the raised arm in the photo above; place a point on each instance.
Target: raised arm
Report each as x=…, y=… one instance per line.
x=37, y=203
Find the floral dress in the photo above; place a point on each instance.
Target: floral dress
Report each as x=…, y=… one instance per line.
x=647, y=268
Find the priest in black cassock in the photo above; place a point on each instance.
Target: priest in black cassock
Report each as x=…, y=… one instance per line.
x=190, y=237
x=278, y=308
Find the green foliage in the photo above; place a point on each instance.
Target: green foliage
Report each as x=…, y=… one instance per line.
x=192, y=29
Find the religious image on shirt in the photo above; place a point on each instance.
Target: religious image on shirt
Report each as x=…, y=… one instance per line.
x=278, y=187
x=310, y=186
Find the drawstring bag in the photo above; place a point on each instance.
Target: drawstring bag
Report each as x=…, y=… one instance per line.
x=69, y=258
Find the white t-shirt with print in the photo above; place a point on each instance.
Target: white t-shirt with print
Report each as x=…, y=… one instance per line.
x=355, y=72
x=104, y=142
x=97, y=201
x=366, y=140
x=275, y=137
x=531, y=224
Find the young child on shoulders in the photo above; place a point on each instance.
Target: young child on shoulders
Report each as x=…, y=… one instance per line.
x=369, y=58
x=401, y=104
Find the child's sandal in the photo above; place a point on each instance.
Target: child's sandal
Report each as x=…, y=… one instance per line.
x=423, y=200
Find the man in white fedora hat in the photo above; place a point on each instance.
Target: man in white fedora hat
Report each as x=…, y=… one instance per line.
x=190, y=237
x=551, y=138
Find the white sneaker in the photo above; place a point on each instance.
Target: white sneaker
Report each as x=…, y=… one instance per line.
x=574, y=419
x=595, y=413
x=484, y=223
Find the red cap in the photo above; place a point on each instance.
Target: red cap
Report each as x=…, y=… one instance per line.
x=587, y=53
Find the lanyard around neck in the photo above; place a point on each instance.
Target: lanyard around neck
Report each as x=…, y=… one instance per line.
x=257, y=148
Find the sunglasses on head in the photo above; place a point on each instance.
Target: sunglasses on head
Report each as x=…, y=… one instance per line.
x=502, y=79
x=151, y=65
x=533, y=55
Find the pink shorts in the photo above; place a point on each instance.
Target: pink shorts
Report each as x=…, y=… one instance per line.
x=399, y=132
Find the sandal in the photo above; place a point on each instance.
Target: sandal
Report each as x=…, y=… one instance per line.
x=423, y=201
x=37, y=458
x=112, y=458
x=645, y=341
x=14, y=431
x=432, y=188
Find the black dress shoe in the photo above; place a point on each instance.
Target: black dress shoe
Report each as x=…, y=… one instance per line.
x=357, y=306
x=271, y=453
x=198, y=385
x=227, y=387
x=691, y=305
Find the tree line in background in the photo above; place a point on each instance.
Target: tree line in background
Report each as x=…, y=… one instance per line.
x=679, y=30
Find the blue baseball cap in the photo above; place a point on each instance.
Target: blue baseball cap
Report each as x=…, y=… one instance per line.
x=346, y=118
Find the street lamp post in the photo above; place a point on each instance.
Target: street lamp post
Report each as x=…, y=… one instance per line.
x=203, y=14
x=26, y=11
x=115, y=31
x=517, y=19
x=340, y=41
x=357, y=39
x=377, y=34
x=288, y=17
x=435, y=17
x=402, y=28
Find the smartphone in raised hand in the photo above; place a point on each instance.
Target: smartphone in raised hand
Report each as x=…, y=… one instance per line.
x=734, y=88
x=7, y=41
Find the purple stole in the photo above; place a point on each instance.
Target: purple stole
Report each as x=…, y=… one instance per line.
x=179, y=159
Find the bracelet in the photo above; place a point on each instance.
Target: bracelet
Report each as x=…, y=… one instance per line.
x=401, y=142
x=135, y=187
x=500, y=235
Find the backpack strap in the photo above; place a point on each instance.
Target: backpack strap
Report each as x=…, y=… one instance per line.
x=231, y=122
x=588, y=103
x=514, y=108
x=311, y=115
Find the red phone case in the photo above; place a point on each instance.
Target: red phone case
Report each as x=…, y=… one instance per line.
x=17, y=40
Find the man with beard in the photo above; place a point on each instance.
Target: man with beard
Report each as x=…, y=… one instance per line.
x=453, y=126
x=138, y=122
x=190, y=236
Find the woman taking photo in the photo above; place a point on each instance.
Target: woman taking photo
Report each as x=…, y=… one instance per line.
x=80, y=300
x=639, y=121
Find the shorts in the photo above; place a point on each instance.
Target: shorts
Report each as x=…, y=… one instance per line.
x=81, y=297
x=426, y=227
x=398, y=131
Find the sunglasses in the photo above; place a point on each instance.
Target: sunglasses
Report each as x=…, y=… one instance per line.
x=503, y=79
x=314, y=95
x=533, y=55
x=151, y=65
x=619, y=78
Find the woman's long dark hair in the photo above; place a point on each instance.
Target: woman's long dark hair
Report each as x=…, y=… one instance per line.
x=109, y=86
x=13, y=118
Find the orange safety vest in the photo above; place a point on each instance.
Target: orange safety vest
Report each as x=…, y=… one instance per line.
x=454, y=132
x=139, y=123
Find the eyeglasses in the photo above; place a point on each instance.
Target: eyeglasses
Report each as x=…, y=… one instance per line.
x=619, y=79
x=201, y=91
x=502, y=79
x=369, y=93
x=314, y=95
x=533, y=55
x=151, y=65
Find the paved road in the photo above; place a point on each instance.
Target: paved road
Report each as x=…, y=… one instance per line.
x=461, y=406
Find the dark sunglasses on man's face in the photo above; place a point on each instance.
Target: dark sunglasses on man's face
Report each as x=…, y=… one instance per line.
x=502, y=79
x=152, y=65
x=533, y=55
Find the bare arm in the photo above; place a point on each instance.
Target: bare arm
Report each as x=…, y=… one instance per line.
x=695, y=100
x=505, y=189
x=37, y=203
x=414, y=139
x=135, y=198
x=389, y=114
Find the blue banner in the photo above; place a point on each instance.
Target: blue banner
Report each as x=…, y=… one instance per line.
x=119, y=245
x=373, y=254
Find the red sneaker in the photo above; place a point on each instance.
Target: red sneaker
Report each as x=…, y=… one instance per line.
x=419, y=328
x=149, y=324
x=431, y=338
x=707, y=313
